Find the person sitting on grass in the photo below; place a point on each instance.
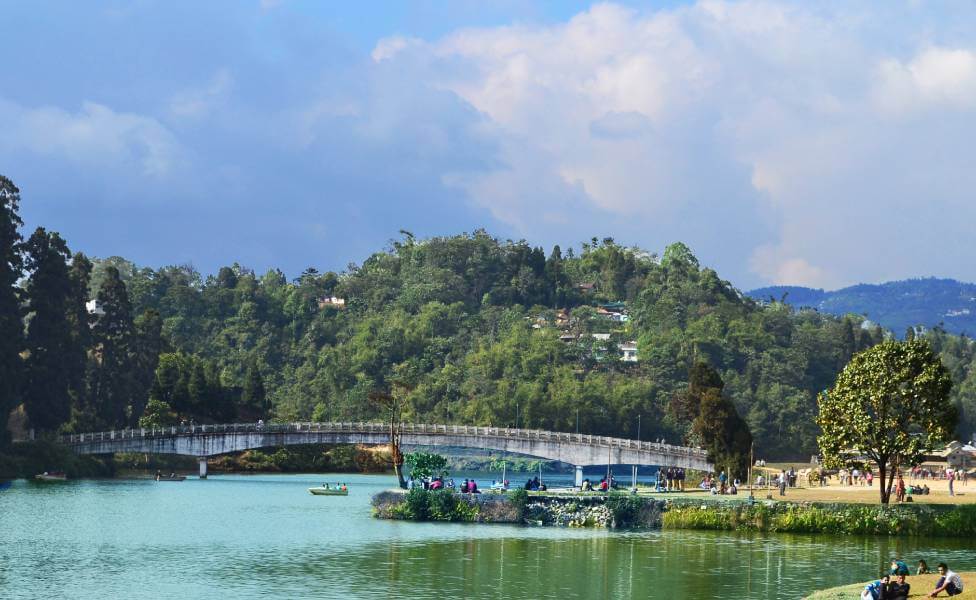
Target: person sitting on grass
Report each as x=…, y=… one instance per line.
x=896, y=590
x=923, y=568
x=949, y=582
x=898, y=567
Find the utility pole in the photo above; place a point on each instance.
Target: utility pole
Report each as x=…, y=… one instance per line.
x=516, y=415
x=638, y=428
x=577, y=421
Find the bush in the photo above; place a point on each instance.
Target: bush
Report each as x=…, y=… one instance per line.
x=417, y=501
x=519, y=500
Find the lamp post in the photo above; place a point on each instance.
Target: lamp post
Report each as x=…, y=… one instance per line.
x=516, y=415
x=577, y=421
x=638, y=428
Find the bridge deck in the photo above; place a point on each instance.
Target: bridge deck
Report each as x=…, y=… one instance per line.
x=210, y=440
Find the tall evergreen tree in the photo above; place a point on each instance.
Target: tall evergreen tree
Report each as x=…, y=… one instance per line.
x=49, y=333
x=76, y=360
x=11, y=326
x=113, y=380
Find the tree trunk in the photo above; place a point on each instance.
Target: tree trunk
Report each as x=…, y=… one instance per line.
x=396, y=455
x=883, y=487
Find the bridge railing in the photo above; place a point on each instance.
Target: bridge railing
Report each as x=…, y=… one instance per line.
x=367, y=427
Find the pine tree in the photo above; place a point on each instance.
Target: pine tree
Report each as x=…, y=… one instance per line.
x=49, y=333
x=76, y=360
x=11, y=326
x=113, y=381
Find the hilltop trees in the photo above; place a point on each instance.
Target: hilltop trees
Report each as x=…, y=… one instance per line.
x=11, y=326
x=891, y=405
x=113, y=381
x=50, y=338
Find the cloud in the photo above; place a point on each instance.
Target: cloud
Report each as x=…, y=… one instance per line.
x=769, y=136
x=935, y=78
x=197, y=102
x=96, y=135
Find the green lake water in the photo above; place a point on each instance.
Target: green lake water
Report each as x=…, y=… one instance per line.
x=265, y=536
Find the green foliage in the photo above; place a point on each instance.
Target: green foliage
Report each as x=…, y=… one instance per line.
x=49, y=335
x=847, y=519
x=519, y=499
x=438, y=505
x=425, y=464
x=11, y=326
x=890, y=404
x=626, y=509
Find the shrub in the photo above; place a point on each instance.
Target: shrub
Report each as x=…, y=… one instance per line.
x=519, y=500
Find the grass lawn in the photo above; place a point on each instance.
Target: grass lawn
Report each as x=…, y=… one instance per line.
x=921, y=586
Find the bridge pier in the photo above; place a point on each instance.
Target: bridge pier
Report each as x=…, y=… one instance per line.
x=203, y=467
x=579, y=476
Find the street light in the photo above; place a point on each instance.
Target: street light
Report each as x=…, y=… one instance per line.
x=638, y=428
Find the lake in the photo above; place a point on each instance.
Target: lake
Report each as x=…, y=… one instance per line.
x=265, y=536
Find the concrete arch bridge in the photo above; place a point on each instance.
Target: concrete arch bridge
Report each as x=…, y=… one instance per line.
x=204, y=441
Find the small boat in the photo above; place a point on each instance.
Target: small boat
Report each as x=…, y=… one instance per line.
x=327, y=491
x=171, y=478
x=51, y=476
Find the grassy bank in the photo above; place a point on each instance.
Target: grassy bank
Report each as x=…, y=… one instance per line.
x=927, y=520
x=921, y=585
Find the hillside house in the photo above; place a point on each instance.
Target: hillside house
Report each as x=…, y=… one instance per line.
x=332, y=301
x=628, y=351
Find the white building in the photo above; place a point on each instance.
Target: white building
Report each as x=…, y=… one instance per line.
x=94, y=307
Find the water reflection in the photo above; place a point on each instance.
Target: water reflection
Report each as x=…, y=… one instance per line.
x=265, y=536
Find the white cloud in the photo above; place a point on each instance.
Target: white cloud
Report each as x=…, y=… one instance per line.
x=936, y=78
x=770, y=136
x=94, y=136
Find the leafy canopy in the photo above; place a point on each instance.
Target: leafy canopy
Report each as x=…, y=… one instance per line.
x=890, y=404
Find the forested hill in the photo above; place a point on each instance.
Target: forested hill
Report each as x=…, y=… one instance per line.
x=466, y=329
x=896, y=305
x=491, y=332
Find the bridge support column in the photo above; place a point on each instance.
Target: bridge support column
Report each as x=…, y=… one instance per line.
x=203, y=467
x=579, y=476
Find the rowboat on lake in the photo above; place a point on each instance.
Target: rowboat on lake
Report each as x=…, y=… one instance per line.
x=325, y=490
x=51, y=476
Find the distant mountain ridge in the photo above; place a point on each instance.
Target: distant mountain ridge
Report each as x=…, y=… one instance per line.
x=896, y=305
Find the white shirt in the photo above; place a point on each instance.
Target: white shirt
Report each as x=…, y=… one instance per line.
x=951, y=577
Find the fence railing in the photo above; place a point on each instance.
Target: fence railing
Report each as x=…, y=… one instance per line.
x=367, y=427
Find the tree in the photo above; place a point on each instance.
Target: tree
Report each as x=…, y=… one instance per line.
x=157, y=414
x=716, y=423
x=49, y=333
x=11, y=327
x=114, y=380
x=148, y=344
x=425, y=464
x=254, y=394
x=75, y=362
x=889, y=405
x=392, y=403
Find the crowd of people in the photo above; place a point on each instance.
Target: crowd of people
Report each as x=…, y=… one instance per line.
x=893, y=585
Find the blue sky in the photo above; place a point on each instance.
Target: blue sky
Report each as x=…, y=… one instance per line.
x=817, y=144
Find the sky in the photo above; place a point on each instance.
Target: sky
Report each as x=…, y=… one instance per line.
x=819, y=144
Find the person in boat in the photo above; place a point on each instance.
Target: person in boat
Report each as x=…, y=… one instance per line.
x=344, y=488
x=159, y=474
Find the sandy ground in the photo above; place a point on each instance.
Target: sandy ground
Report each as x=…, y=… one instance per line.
x=921, y=586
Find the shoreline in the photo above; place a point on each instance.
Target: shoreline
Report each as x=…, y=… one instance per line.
x=659, y=511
